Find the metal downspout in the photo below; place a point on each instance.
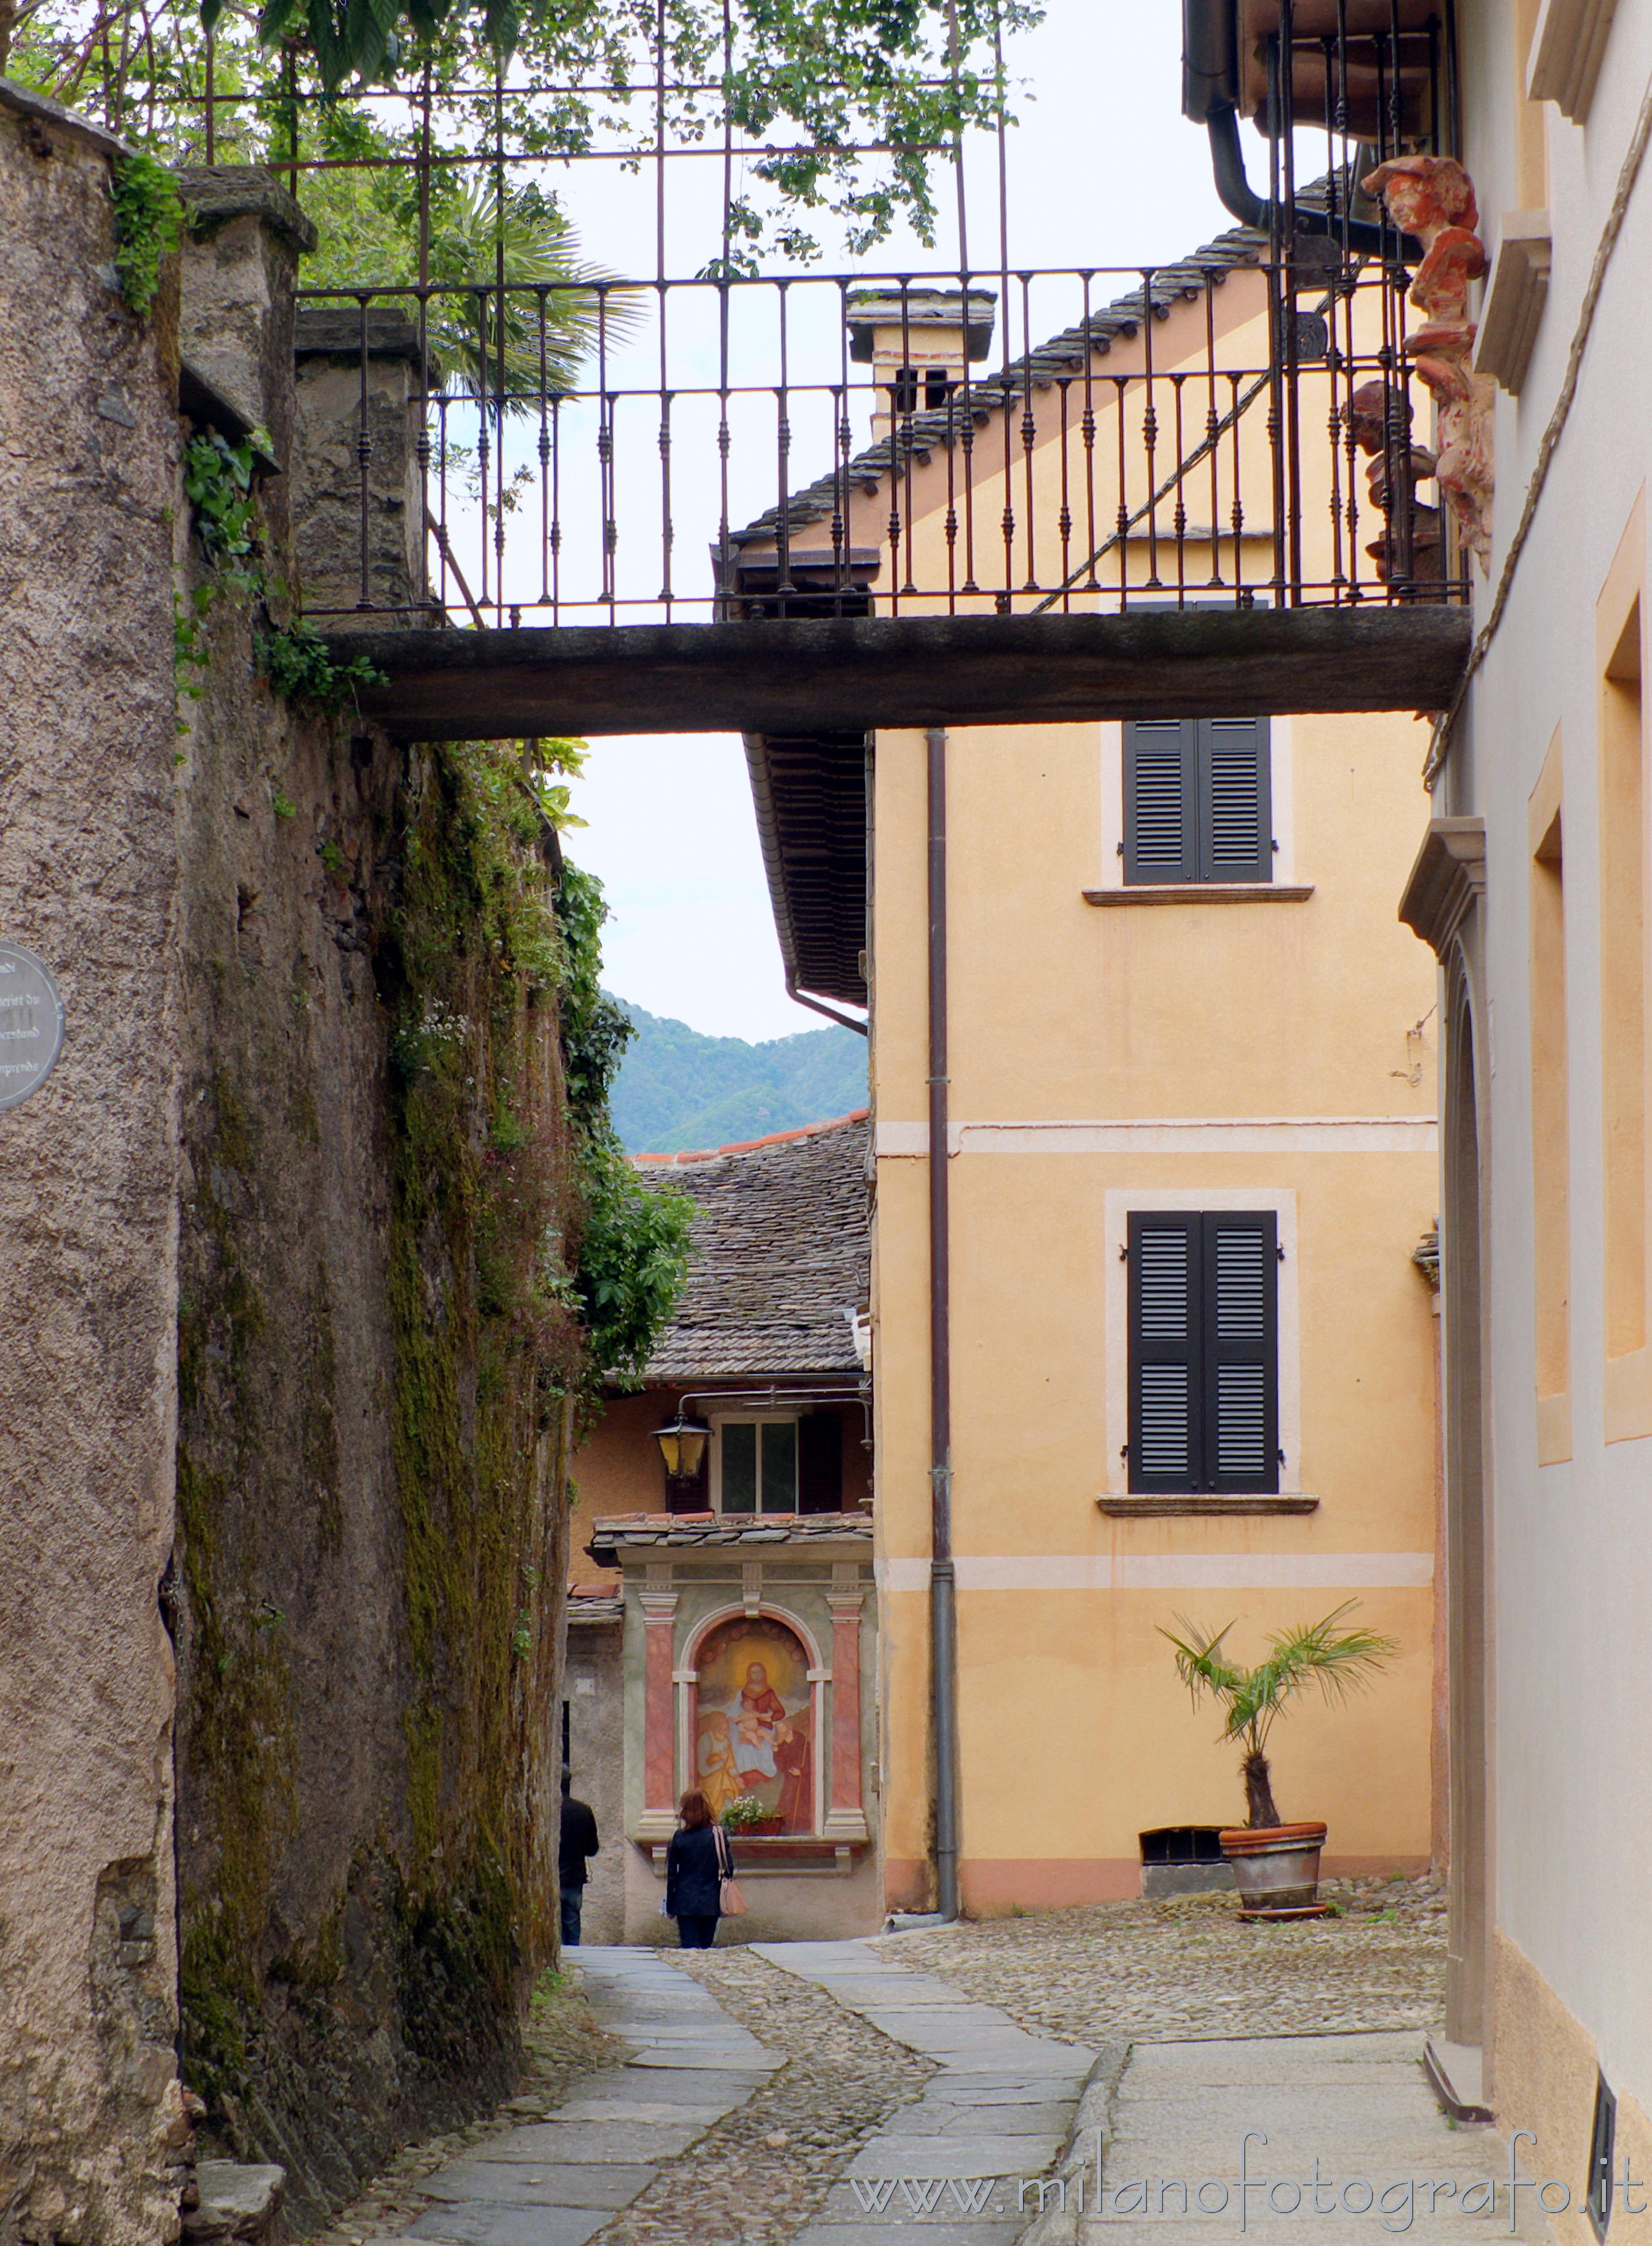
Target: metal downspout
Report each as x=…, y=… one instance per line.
x=943, y=1639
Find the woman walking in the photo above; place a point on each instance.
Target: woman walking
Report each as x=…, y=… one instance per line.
x=696, y=1863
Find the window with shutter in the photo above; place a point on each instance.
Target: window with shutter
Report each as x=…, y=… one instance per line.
x=1197, y=800
x=1161, y=828
x=820, y=1463
x=1204, y=1352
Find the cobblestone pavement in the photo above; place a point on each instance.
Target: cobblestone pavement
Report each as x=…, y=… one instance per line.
x=767, y=2167
x=1154, y=1971
x=765, y=2097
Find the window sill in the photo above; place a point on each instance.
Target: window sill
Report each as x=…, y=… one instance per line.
x=778, y=1855
x=1201, y=892
x=1153, y=1509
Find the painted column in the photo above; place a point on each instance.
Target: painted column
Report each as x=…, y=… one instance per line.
x=846, y=1815
x=658, y=1820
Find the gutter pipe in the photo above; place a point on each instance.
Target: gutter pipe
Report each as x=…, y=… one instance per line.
x=1241, y=200
x=943, y=1610
x=802, y=997
x=943, y=1615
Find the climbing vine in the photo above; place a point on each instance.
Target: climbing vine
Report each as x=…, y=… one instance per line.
x=633, y=1252
x=148, y=218
x=220, y=483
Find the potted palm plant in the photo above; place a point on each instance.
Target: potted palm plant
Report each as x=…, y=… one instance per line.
x=1276, y=1865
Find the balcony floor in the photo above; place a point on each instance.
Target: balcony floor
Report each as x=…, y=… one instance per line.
x=846, y=674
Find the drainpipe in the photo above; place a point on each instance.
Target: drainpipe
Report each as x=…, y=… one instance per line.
x=802, y=997
x=943, y=1612
x=943, y=1631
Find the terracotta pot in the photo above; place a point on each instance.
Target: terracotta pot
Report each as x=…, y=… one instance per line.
x=1275, y=1866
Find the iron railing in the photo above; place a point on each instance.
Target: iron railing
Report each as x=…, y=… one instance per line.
x=804, y=445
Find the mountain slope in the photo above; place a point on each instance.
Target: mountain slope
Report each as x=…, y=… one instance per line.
x=677, y=1090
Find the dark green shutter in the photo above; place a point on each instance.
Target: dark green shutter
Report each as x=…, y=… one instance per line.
x=1241, y=1351
x=820, y=1463
x=1235, y=813
x=1204, y=1352
x=1198, y=802
x=1160, y=794
x=1166, y=1413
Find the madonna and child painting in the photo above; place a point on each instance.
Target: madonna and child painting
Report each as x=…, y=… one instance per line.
x=752, y=1723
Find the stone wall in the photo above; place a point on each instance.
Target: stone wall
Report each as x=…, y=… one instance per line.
x=89, y=2115
x=282, y=1430
x=369, y=1444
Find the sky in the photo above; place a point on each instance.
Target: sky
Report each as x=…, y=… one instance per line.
x=1102, y=171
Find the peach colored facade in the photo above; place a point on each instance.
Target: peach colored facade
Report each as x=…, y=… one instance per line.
x=1260, y=1054
x=1267, y=1050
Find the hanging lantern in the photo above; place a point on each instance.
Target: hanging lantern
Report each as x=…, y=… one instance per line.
x=683, y=1447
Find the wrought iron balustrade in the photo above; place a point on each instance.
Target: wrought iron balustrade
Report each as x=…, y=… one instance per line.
x=807, y=447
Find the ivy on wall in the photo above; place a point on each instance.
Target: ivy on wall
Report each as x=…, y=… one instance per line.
x=148, y=219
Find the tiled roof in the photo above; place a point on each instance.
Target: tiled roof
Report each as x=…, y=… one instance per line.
x=781, y=1258
x=631, y=1531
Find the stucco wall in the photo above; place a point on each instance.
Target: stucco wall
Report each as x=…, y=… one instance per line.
x=594, y=1686
x=1071, y=1020
x=88, y=1209
x=1572, y=1564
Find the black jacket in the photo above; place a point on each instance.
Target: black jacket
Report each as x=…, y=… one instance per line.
x=692, y=1874
x=579, y=1842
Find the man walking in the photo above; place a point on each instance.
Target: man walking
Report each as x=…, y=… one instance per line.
x=579, y=1842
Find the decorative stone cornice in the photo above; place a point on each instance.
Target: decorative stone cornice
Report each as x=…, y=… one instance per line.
x=1445, y=881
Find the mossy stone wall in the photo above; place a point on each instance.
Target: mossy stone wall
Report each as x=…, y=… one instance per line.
x=374, y=1354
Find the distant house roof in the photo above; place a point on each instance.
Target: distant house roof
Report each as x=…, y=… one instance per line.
x=781, y=1260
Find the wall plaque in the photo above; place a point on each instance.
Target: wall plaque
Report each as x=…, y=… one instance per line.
x=30, y=1024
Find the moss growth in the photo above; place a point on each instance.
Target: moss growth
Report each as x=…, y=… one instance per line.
x=487, y=1344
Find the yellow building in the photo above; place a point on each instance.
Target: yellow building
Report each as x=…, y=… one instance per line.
x=1148, y=982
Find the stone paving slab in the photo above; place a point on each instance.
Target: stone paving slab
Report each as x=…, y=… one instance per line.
x=478, y=2224
x=1000, y=2106
x=932, y=2232
x=890, y=2156
x=571, y=2183
x=545, y=2143
x=1379, y=2144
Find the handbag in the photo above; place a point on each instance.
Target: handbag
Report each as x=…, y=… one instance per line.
x=731, y=1901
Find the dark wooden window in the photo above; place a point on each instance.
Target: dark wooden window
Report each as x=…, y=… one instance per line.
x=758, y=1465
x=820, y=1463
x=1204, y=1351
x=1197, y=800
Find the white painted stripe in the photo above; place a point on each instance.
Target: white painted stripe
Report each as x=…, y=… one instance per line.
x=1283, y=1135
x=1171, y=1571
x=1275, y=1571
x=1344, y=1134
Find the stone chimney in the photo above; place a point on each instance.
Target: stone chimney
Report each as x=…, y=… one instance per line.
x=921, y=342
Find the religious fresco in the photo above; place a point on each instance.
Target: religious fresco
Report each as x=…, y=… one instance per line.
x=753, y=1724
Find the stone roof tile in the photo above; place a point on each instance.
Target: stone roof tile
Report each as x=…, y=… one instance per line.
x=781, y=1255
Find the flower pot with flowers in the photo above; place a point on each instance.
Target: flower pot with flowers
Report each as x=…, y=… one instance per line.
x=1276, y=1865
x=749, y=1814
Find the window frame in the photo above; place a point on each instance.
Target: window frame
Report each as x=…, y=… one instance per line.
x=1119, y=1203
x=1203, y=1352
x=1197, y=740
x=718, y=1421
